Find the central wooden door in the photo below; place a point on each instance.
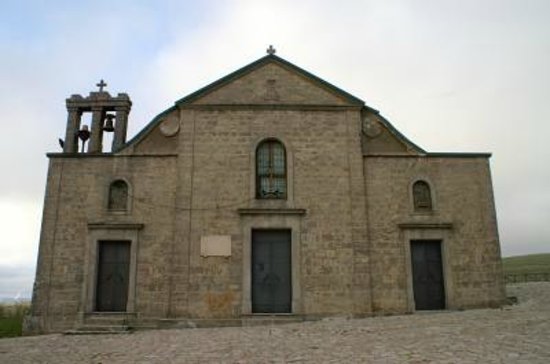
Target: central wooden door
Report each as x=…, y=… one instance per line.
x=271, y=271
x=427, y=270
x=113, y=267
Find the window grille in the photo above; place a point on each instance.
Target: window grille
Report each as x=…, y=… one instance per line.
x=271, y=170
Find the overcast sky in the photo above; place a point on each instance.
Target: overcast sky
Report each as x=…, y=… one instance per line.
x=460, y=75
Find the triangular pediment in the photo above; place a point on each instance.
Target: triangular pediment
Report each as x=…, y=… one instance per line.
x=271, y=80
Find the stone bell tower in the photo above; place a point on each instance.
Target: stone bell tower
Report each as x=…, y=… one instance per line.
x=101, y=104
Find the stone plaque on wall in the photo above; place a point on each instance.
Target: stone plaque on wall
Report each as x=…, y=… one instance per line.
x=216, y=245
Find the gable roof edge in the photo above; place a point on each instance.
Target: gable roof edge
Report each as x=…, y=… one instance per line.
x=237, y=74
x=248, y=68
x=144, y=131
x=402, y=138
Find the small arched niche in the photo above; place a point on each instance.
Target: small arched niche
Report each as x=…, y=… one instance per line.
x=422, y=196
x=118, y=196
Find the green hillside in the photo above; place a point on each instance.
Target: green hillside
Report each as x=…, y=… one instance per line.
x=532, y=263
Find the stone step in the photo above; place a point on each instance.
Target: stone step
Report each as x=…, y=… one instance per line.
x=108, y=319
x=266, y=320
x=100, y=329
x=115, y=323
x=196, y=323
x=108, y=322
x=251, y=320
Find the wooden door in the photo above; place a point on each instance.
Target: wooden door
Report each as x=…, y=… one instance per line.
x=427, y=270
x=113, y=268
x=271, y=271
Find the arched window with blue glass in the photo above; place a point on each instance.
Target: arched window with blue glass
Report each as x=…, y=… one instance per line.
x=271, y=170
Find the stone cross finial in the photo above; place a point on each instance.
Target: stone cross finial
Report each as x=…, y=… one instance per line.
x=101, y=84
x=270, y=50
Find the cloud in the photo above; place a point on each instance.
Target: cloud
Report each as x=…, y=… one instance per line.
x=16, y=282
x=20, y=228
x=452, y=76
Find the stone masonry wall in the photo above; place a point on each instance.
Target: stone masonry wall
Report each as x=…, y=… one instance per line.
x=76, y=196
x=217, y=147
x=463, y=198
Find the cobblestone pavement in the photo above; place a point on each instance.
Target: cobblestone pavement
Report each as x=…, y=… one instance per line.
x=515, y=334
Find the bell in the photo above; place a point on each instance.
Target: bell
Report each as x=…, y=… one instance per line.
x=108, y=127
x=84, y=134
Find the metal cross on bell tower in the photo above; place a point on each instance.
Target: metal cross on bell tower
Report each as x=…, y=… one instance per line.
x=101, y=84
x=271, y=51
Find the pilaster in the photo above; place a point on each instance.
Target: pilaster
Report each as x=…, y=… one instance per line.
x=95, y=145
x=121, y=126
x=73, y=125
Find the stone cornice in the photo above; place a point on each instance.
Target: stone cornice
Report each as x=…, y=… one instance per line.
x=108, y=155
x=424, y=225
x=430, y=155
x=101, y=100
x=300, y=107
x=271, y=211
x=114, y=226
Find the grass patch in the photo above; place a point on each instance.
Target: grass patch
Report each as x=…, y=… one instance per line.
x=532, y=263
x=11, y=318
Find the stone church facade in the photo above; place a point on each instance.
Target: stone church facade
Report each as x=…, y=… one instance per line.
x=269, y=192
